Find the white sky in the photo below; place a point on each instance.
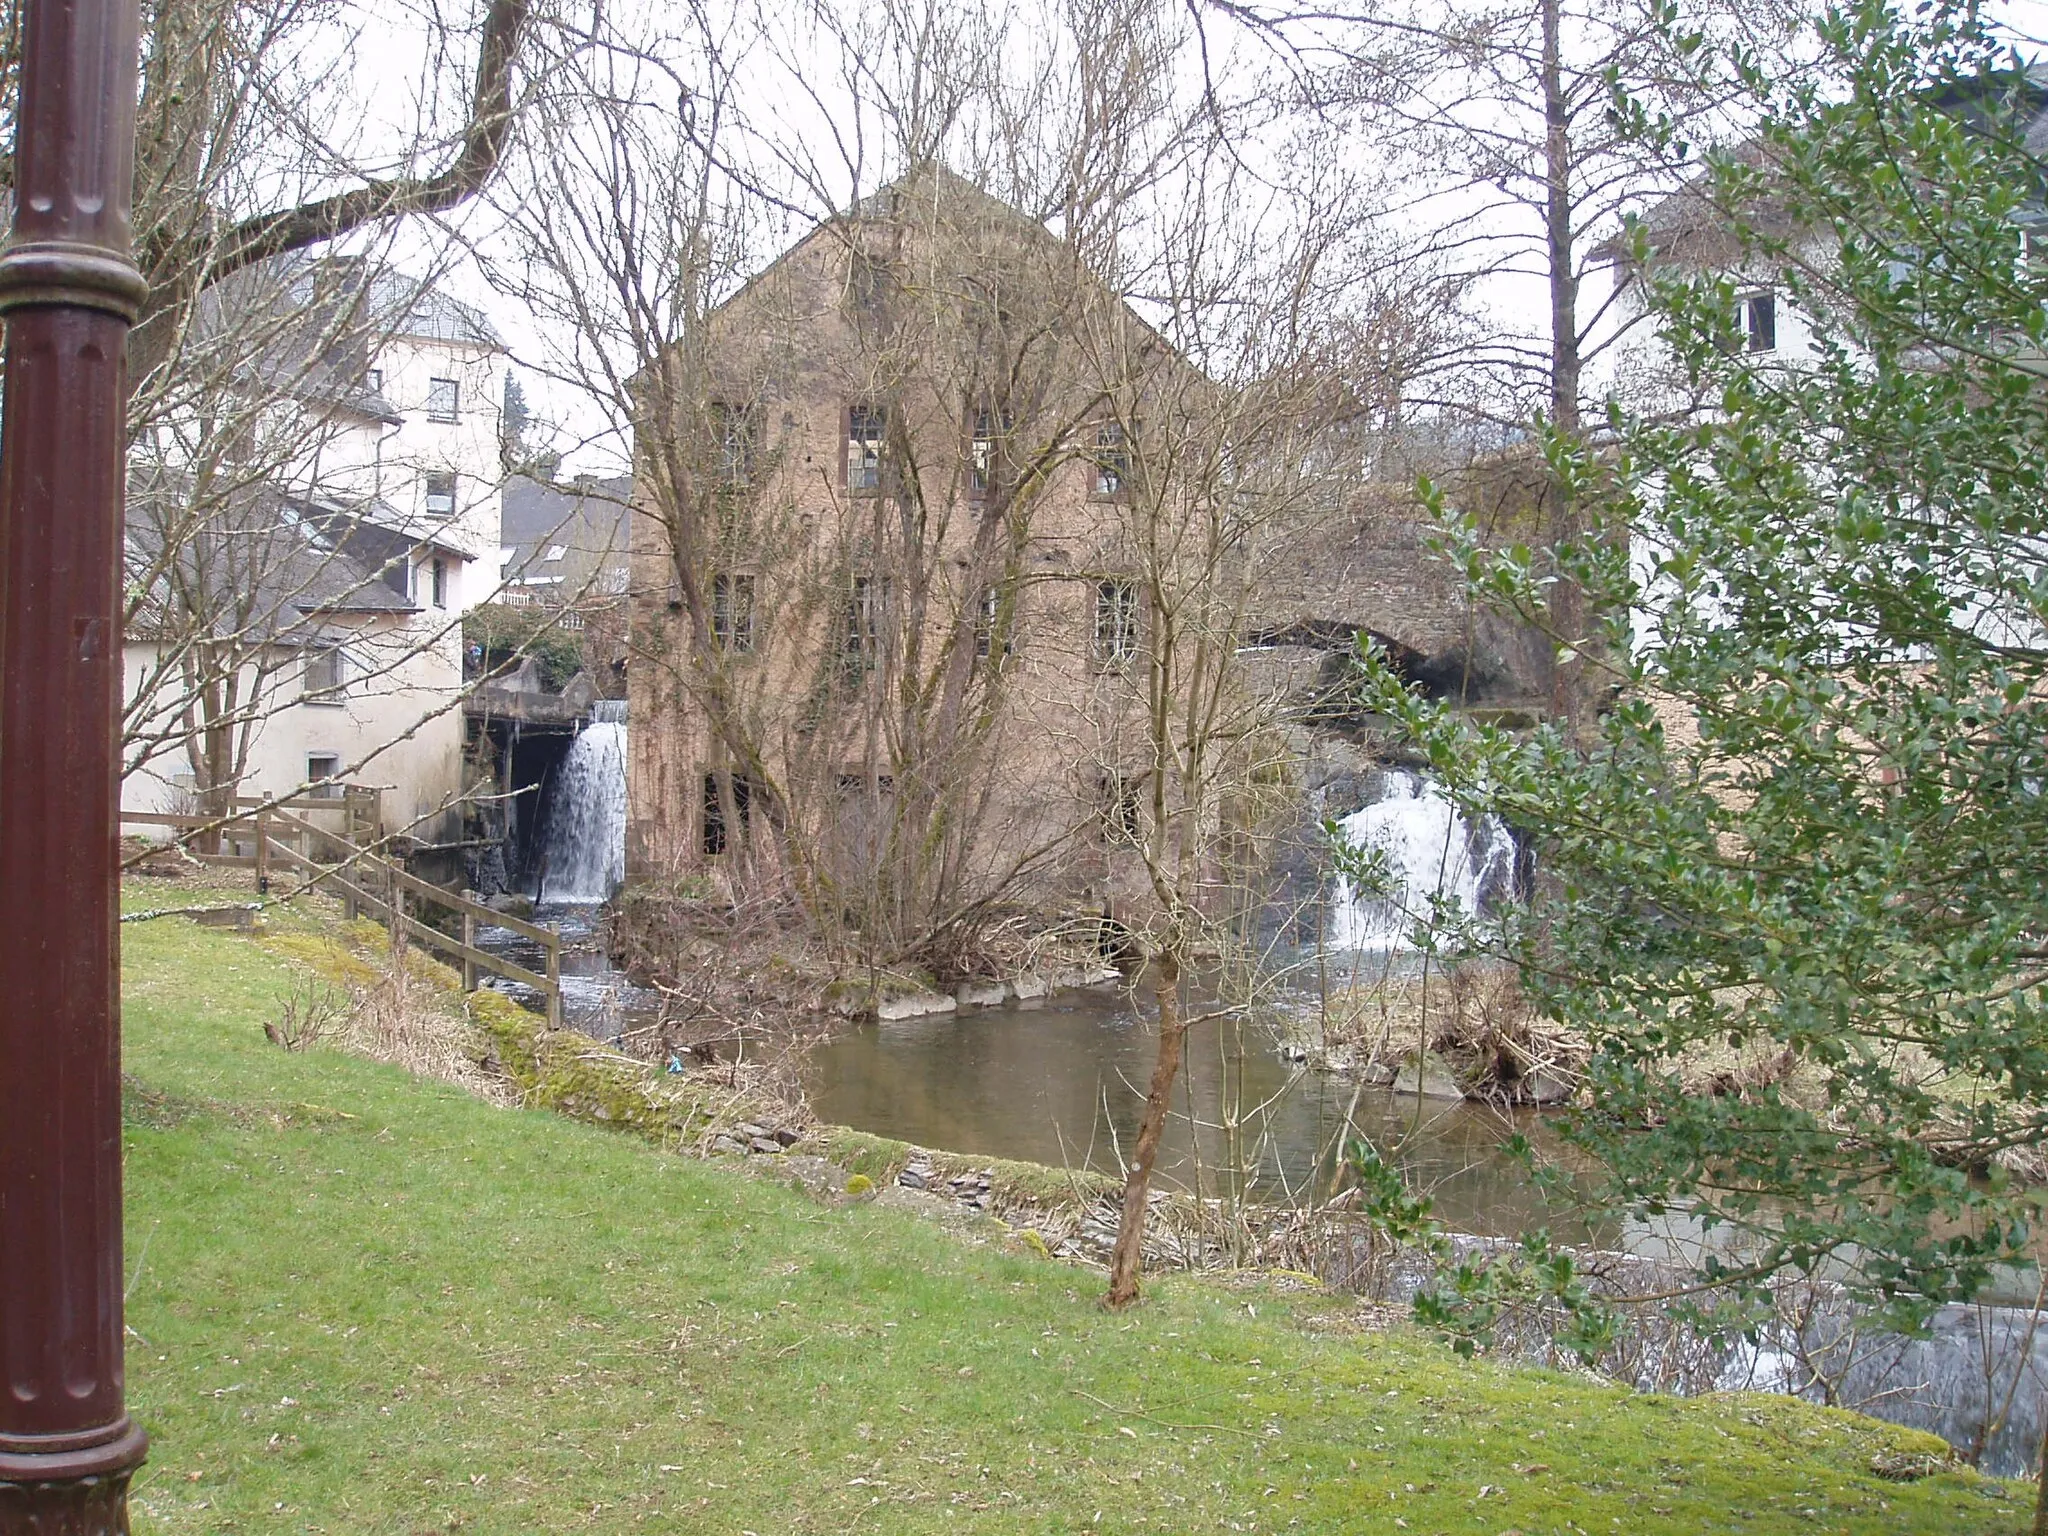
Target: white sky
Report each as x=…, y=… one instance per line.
x=797, y=99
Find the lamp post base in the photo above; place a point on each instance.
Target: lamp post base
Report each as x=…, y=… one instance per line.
x=56, y=1486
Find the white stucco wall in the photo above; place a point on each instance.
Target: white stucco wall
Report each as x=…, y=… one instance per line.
x=399, y=716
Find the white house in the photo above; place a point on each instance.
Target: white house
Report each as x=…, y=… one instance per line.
x=305, y=533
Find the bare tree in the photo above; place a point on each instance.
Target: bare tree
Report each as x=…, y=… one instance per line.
x=248, y=555
x=240, y=156
x=1249, y=447
x=268, y=565
x=1510, y=140
x=954, y=318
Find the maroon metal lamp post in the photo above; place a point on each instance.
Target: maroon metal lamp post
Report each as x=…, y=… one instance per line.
x=69, y=291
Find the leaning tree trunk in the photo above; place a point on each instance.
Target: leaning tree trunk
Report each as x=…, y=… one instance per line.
x=2041, y=1488
x=1125, y=1262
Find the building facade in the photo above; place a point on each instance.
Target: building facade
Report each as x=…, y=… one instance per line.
x=308, y=522
x=889, y=584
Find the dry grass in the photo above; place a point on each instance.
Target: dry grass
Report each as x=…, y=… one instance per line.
x=409, y=1022
x=1473, y=1017
x=357, y=995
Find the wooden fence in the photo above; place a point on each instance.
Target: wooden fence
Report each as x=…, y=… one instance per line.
x=366, y=882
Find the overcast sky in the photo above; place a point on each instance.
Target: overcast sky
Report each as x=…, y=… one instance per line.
x=809, y=131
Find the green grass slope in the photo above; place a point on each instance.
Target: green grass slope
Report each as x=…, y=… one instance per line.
x=362, y=1303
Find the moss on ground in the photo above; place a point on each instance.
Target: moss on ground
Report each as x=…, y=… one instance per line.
x=573, y=1075
x=367, y=1303
x=1010, y=1183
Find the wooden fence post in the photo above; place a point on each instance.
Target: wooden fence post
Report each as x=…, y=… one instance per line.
x=555, y=981
x=262, y=854
x=468, y=942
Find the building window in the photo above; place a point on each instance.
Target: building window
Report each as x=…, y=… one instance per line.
x=733, y=429
x=715, y=837
x=323, y=771
x=373, y=380
x=984, y=450
x=985, y=622
x=865, y=607
x=867, y=281
x=438, y=581
x=1111, y=478
x=732, y=612
x=444, y=399
x=864, y=427
x=440, y=499
x=1116, y=622
x=1758, y=313
x=324, y=675
x=854, y=784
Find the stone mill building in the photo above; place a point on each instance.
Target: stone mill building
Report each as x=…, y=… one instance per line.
x=898, y=513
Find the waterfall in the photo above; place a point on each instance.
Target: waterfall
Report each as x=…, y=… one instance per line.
x=1430, y=849
x=609, y=711
x=586, y=819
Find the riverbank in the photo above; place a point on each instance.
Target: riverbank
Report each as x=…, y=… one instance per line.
x=370, y=1302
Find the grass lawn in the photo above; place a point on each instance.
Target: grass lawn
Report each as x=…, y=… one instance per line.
x=363, y=1303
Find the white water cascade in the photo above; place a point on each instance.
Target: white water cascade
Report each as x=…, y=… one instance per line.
x=586, y=831
x=1430, y=849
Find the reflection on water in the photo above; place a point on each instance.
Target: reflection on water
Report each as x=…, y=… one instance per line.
x=1062, y=1081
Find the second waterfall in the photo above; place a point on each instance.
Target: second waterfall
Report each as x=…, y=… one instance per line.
x=1431, y=850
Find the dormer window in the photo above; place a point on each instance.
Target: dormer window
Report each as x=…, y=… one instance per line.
x=373, y=381
x=1757, y=314
x=444, y=399
x=440, y=497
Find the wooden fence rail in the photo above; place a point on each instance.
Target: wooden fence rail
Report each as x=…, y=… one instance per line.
x=376, y=885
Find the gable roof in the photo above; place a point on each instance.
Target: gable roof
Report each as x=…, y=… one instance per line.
x=589, y=521
x=310, y=328
x=268, y=565
x=1688, y=225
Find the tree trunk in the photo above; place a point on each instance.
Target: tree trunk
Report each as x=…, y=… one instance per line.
x=1125, y=1262
x=1567, y=606
x=2041, y=1487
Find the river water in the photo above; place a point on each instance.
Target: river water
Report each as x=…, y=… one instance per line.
x=1062, y=1080
x=596, y=998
